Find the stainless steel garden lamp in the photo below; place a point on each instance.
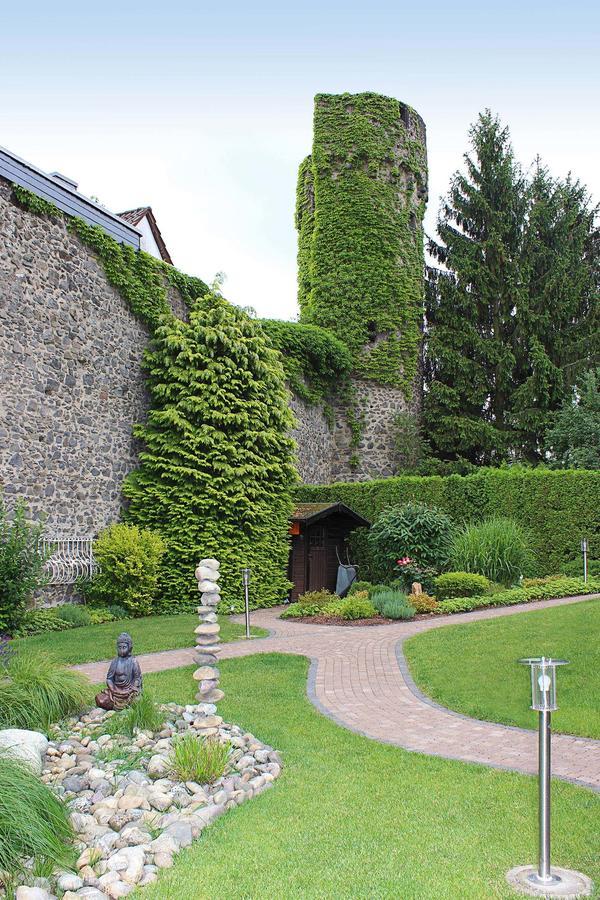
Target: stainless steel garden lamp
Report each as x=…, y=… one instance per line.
x=246, y=583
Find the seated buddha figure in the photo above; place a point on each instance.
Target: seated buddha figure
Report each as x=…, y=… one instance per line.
x=124, y=678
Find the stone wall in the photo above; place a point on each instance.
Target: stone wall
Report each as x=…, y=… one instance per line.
x=315, y=442
x=70, y=378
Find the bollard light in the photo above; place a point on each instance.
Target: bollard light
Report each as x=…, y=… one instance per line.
x=246, y=583
x=584, y=551
x=543, y=682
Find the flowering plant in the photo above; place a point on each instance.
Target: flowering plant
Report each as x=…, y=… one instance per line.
x=410, y=571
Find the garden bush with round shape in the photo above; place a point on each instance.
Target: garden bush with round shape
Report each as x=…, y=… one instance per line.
x=356, y=607
x=34, y=823
x=359, y=586
x=497, y=548
x=36, y=691
x=318, y=599
x=460, y=584
x=419, y=532
x=423, y=603
x=129, y=559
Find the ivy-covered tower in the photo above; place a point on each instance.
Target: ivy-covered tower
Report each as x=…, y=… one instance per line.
x=360, y=205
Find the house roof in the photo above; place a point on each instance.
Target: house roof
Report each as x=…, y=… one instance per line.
x=308, y=513
x=135, y=216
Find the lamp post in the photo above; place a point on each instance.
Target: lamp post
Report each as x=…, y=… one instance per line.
x=246, y=583
x=544, y=880
x=584, y=551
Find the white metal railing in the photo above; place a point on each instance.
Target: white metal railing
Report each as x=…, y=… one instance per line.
x=69, y=558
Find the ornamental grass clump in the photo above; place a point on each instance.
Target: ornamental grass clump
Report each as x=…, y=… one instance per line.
x=34, y=823
x=202, y=760
x=393, y=604
x=36, y=691
x=144, y=714
x=497, y=548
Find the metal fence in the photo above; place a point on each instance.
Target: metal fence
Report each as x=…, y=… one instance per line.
x=69, y=558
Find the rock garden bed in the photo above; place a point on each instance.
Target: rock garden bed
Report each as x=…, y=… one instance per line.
x=130, y=812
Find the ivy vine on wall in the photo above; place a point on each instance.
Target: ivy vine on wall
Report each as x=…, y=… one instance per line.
x=360, y=204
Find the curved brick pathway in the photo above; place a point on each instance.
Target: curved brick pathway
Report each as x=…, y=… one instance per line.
x=358, y=678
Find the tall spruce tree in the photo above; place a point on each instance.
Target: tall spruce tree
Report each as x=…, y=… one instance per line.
x=217, y=469
x=512, y=317
x=471, y=301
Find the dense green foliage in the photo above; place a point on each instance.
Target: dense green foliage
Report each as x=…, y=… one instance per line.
x=62, y=618
x=498, y=548
x=473, y=667
x=357, y=606
x=558, y=508
x=360, y=203
x=216, y=469
x=460, y=584
x=21, y=565
x=34, y=823
x=573, y=438
x=546, y=589
x=413, y=530
x=76, y=616
x=370, y=820
x=197, y=759
x=315, y=362
x=130, y=559
x=36, y=691
x=512, y=315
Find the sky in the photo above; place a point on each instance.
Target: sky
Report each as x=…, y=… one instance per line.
x=204, y=110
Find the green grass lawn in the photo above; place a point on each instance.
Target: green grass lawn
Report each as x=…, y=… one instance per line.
x=351, y=818
x=94, y=642
x=473, y=668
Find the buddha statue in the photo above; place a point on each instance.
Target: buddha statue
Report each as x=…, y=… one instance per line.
x=124, y=678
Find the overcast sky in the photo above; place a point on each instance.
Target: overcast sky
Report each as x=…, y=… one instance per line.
x=204, y=110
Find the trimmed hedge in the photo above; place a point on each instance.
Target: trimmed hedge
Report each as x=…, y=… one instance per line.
x=555, y=587
x=557, y=507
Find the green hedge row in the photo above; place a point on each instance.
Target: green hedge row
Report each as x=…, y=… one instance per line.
x=559, y=587
x=558, y=507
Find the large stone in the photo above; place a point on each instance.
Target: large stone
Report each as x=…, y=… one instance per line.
x=208, y=630
x=210, y=563
x=206, y=573
x=206, y=672
x=210, y=598
x=158, y=766
x=33, y=893
x=208, y=587
x=212, y=696
x=28, y=746
x=129, y=862
x=69, y=882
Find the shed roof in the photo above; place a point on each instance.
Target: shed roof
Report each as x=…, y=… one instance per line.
x=313, y=512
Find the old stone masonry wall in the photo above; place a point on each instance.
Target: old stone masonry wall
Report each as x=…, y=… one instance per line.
x=70, y=378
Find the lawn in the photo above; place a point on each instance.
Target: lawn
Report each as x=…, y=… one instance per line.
x=473, y=668
x=95, y=642
x=351, y=818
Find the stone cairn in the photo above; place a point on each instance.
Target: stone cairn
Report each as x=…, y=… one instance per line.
x=207, y=644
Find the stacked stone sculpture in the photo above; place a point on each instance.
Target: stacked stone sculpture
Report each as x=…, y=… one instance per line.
x=207, y=640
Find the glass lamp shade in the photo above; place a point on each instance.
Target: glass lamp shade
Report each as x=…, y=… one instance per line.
x=543, y=682
x=245, y=576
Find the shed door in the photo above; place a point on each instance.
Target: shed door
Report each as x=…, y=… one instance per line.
x=317, y=559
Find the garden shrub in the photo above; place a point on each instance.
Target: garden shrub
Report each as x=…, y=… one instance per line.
x=574, y=568
x=34, y=823
x=217, y=468
x=423, y=603
x=378, y=589
x=460, y=584
x=100, y=616
x=129, y=558
x=39, y=621
x=558, y=508
x=36, y=691
x=553, y=587
x=21, y=565
x=317, y=599
x=415, y=531
x=76, y=616
x=393, y=604
x=356, y=607
x=359, y=586
x=497, y=548
x=197, y=759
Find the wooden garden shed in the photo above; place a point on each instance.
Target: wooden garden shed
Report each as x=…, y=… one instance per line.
x=319, y=535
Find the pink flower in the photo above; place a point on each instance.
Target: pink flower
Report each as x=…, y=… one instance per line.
x=404, y=561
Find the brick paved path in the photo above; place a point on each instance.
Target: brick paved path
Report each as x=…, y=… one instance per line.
x=358, y=677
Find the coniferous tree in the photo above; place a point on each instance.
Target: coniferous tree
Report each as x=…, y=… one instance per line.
x=573, y=438
x=217, y=469
x=471, y=301
x=512, y=319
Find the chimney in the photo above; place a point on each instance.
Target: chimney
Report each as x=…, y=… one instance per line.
x=64, y=181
